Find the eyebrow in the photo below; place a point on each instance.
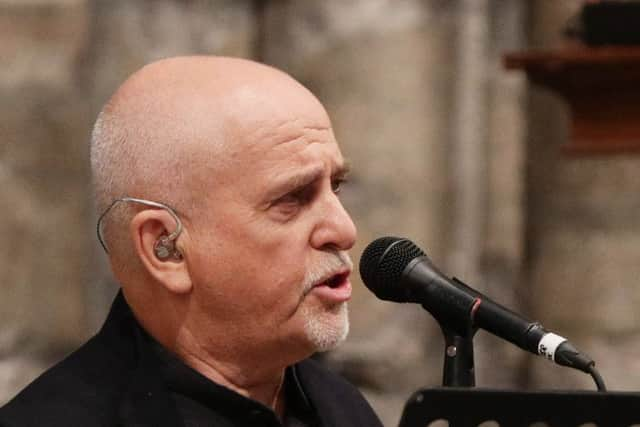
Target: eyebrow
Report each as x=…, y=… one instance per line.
x=296, y=180
x=303, y=178
x=342, y=170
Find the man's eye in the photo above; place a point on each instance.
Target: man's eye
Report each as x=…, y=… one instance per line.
x=337, y=184
x=287, y=207
x=292, y=200
x=289, y=199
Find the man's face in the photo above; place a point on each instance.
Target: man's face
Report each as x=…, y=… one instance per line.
x=268, y=261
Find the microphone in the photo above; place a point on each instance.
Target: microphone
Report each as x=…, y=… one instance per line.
x=395, y=269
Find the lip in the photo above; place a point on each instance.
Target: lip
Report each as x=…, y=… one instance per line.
x=340, y=292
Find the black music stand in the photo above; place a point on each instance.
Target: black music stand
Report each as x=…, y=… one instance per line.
x=469, y=407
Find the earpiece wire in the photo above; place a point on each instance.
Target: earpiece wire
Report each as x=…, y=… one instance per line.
x=173, y=236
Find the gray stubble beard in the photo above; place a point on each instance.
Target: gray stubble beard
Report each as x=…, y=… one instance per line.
x=326, y=328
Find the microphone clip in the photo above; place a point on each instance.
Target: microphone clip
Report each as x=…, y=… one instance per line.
x=459, y=365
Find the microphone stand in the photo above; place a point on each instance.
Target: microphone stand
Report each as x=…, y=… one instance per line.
x=459, y=370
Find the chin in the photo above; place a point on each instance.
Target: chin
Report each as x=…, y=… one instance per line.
x=326, y=329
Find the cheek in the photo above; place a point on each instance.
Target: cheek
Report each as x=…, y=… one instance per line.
x=247, y=257
x=248, y=278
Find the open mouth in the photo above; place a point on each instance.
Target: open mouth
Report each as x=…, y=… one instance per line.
x=336, y=281
x=336, y=289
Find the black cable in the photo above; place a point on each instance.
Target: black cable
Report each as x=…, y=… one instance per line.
x=597, y=378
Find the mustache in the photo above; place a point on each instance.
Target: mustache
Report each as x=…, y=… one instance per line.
x=330, y=265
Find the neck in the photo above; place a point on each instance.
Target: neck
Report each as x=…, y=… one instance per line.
x=265, y=388
x=252, y=377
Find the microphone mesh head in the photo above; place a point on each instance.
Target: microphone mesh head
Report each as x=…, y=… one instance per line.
x=383, y=262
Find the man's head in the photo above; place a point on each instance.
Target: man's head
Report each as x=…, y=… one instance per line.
x=247, y=158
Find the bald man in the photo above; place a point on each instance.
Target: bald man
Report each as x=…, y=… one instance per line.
x=217, y=182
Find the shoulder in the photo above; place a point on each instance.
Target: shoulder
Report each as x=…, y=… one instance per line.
x=334, y=397
x=80, y=390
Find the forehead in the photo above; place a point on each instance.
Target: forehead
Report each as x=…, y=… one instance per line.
x=281, y=146
x=265, y=135
x=274, y=157
x=294, y=127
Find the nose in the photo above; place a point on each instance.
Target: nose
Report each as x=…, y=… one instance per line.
x=334, y=228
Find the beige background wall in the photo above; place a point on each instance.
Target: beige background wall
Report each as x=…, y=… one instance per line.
x=447, y=147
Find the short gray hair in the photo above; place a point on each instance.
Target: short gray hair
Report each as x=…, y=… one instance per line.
x=108, y=147
x=130, y=159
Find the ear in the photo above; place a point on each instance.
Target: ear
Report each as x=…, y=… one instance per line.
x=146, y=229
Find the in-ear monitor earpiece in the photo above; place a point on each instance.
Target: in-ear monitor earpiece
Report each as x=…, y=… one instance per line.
x=164, y=248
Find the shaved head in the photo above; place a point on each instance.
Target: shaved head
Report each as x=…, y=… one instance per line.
x=174, y=118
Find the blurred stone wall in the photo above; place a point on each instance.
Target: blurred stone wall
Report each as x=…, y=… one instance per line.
x=583, y=237
x=413, y=87
x=43, y=186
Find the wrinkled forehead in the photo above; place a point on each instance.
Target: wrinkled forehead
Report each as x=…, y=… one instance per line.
x=268, y=141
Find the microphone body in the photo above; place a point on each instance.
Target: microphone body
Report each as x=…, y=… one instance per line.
x=397, y=270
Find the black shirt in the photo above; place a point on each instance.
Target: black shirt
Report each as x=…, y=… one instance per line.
x=115, y=379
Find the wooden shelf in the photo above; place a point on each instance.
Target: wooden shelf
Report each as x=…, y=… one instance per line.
x=601, y=87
